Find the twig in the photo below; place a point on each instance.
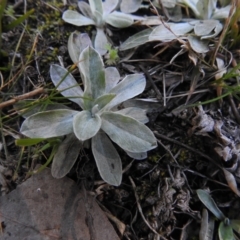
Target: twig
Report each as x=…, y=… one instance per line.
x=140, y=210
x=21, y=97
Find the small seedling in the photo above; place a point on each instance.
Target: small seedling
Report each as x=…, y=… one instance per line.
x=112, y=55
x=226, y=226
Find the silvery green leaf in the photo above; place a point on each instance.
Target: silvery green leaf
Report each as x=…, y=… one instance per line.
x=118, y=19
x=66, y=156
x=28, y=107
x=205, y=27
x=215, y=33
x=210, y=204
x=85, y=125
x=221, y=13
x=86, y=10
x=193, y=5
x=109, y=6
x=129, y=87
x=76, y=18
x=103, y=100
x=206, y=8
x=107, y=159
x=172, y=31
x=198, y=45
x=127, y=132
x=49, y=124
x=137, y=156
x=66, y=84
x=92, y=69
x=76, y=43
x=136, y=113
x=130, y=6
x=225, y=232
x=136, y=40
x=112, y=77
x=101, y=42
x=96, y=6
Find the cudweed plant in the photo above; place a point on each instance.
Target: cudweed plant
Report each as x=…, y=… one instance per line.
x=100, y=121
x=226, y=226
x=196, y=33
x=99, y=13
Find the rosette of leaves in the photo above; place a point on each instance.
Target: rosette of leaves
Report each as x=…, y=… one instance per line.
x=100, y=121
x=195, y=32
x=98, y=13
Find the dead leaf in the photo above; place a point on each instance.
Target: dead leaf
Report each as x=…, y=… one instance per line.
x=45, y=208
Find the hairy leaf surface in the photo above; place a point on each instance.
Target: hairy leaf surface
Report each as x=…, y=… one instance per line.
x=112, y=77
x=76, y=43
x=119, y=19
x=92, y=69
x=76, y=18
x=85, y=125
x=136, y=113
x=129, y=87
x=49, y=124
x=66, y=83
x=66, y=156
x=107, y=159
x=128, y=133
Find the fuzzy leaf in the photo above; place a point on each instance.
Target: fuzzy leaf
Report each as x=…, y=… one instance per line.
x=119, y=19
x=76, y=43
x=136, y=113
x=221, y=13
x=66, y=83
x=107, y=159
x=225, y=232
x=198, y=45
x=172, y=31
x=49, y=124
x=129, y=87
x=103, y=100
x=206, y=8
x=86, y=10
x=96, y=6
x=131, y=6
x=76, y=18
x=85, y=125
x=92, y=68
x=205, y=27
x=215, y=32
x=66, y=156
x=109, y=6
x=112, y=77
x=101, y=42
x=128, y=133
x=210, y=204
x=136, y=40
